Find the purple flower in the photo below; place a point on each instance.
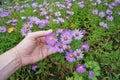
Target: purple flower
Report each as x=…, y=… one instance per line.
x=59, y=31
x=69, y=5
x=43, y=23
x=60, y=20
x=25, y=31
x=99, y=1
x=90, y=74
x=57, y=14
x=85, y=46
x=28, y=26
x=84, y=32
x=34, y=67
x=106, y=26
x=95, y=11
x=81, y=4
x=78, y=54
x=70, y=12
x=77, y=34
x=101, y=14
x=14, y=20
x=119, y=13
x=109, y=12
x=67, y=17
x=109, y=18
x=117, y=1
x=81, y=68
x=16, y=8
x=61, y=47
x=4, y=14
x=44, y=12
x=101, y=24
x=66, y=37
x=2, y=29
x=70, y=57
x=51, y=38
x=34, y=5
x=33, y=20
x=52, y=46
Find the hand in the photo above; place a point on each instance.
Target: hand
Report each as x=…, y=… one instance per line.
x=33, y=48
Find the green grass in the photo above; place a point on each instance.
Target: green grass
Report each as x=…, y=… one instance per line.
x=105, y=44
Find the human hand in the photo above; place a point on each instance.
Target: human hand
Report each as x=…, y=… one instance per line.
x=33, y=48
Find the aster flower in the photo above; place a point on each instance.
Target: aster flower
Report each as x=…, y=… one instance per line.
x=70, y=12
x=4, y=14
x=99, y=1
x=84, y=32
x=81, y=4
x=77, y=34
x=66, y=37
x=101, y=24
x=16, y=8
x=117, y=1
x=59, y=31
x=2, y=29
x=81, y=68
x=109, y=12
x=34, y=67
x=95, y=11
x=60, y=20
x=61, y=47
x=109, y=18
x=106, y=26
x=110, y=6
x=85, y=46
x=101, y=14
x=43, y=23
x=70, y=57
x=67, y=17
x=34, y=5
x=78, y=54
x=25, y=31
x=51, y=38
x=57, y=14
x=28, y=26
x=33, y=20
x=90, y=74
x=52, y=46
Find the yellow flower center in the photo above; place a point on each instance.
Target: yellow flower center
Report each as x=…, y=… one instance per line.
x=27, y=26
x=70, y=55
x=77, y=34
x=65, y=38
x=60, y=46
x=81, y=67
x=51, y=38
x=52, y=45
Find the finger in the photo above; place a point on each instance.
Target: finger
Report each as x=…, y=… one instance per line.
x=39, y=33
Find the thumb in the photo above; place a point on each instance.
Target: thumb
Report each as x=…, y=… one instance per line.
x=39, y=33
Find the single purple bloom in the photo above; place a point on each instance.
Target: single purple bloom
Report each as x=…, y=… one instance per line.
x=117, y=1
x=106, y=26
x=99, y=1
x=43, y=23
x=81, y=4
x=4, y=14
x=70, y=12
x=101, y=14
x=34, y=67
x=70, y=57
x=109, y=18
x=119, y=13
x=52, y=46
x=85, y=46
x=66, y=37
x=95, y=11
x=68, y=5
x=57, y=14
x=61, y=47
x=34, y=5
x=77, y=34
x=101, y=24
x=33, y=20
x=14, y=20
x=51, y=38
x=2, y=29
x=110, y=6
x=84, y=32
x=109, y=12
x=16, y=8
x=28, y=26
x=25, y=31
x=81, y=68
x=60, y=20
x=78, y=54
x=59, y=31
x=67, y=17
x=90, y=74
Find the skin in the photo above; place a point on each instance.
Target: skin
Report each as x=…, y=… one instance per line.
x=31, y=49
